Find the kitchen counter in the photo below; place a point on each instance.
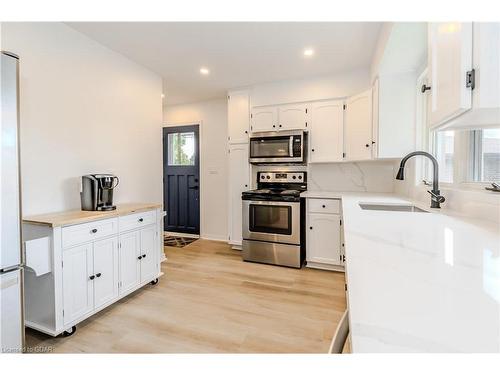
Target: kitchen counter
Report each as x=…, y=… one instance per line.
x=419, y=282
x=60, y=219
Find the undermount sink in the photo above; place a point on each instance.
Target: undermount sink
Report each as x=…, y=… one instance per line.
x=390, y=207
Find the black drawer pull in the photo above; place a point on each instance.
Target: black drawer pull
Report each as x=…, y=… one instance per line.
x=94, y=230
x=141, y=220
x=92, y=277
x=144, y=255
x=323, y=206
x=310, y=227
x=98, y=274
x=139, y=257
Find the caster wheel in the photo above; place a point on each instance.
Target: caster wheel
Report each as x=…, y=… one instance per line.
x=69, y=332
x=154, y=282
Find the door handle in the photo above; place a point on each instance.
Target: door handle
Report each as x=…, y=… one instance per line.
x=92, y=277
x=98, y=274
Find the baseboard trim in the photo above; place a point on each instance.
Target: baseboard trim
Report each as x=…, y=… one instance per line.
x=178, y=234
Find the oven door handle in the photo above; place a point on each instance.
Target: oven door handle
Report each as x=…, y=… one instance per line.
x=290, y=147
x=273, y=203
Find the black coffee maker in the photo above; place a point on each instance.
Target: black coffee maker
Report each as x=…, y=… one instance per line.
x=97, y=192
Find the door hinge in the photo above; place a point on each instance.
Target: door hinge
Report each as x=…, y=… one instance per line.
x=62, y=264
x=470, y=79
x=345, y=106
x=251, y=115
x=340, y=221
x=343, y=258
x=345, y=287
x=63, y=312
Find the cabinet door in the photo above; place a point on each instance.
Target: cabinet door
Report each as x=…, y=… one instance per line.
x=130, y=266
x=78, y=296
x=264, y=119
x=106, y=271
x=149, y=261
x=450, y=57
x=239, y=181
x=292, y=116
x=323, y=239
x=326, y=132
x=358, y=127
x=238, y=116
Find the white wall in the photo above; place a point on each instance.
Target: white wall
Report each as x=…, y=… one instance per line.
x=84, y=109
x=212, y=117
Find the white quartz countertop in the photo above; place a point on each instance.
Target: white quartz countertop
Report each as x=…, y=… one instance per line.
x=419, y=282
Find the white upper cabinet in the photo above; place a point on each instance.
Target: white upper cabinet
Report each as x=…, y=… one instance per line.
x=358, y=127
x=326, y=131
x=264, y=119
x=450, y=67
x=292, y=116
x=238, y=115
x=461, y=99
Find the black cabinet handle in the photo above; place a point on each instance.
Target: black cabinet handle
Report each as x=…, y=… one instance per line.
x=98, y=274
x=246, y=131
x=323, y=206
x=274, y=126
x=139, y=257
x=144, y=255
x=310, y=227
x=280, y=125
x=92, y=277
x=312, y=150
x=367, y=145
x=141, y=220
x=94, y=230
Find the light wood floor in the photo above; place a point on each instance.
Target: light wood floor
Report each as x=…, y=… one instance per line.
x=210, y=301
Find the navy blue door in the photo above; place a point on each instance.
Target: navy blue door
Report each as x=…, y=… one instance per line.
x=181, y=179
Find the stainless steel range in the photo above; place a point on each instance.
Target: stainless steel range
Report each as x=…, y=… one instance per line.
x=273, y=219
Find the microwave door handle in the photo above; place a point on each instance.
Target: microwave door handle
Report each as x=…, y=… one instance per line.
x=290, y=147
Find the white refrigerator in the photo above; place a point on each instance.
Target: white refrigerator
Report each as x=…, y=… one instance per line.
x=11, y=270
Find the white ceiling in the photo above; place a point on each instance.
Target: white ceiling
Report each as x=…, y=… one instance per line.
x=237, y=54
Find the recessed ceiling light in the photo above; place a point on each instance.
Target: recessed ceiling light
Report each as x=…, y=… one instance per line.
x=308, y=52
x=204, y=71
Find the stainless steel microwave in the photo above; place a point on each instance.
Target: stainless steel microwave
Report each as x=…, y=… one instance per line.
x=277, y=147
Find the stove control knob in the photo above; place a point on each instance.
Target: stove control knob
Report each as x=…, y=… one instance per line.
x=268, y=177
x=300, y=177
x=294, y=177
x=262, y=177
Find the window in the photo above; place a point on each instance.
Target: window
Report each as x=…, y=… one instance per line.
x=181, y=148
x=444, y=150
x=485, y=155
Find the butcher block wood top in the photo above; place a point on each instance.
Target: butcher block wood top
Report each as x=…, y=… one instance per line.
x=60, y=219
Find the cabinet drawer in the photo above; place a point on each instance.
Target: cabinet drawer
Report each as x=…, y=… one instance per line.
x=137, y=220
x=80, y=233
x=324, y=206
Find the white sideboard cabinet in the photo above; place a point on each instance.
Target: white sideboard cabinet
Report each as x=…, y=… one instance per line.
x=79, y=262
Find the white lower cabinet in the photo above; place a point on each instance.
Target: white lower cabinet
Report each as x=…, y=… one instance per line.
x=323, y=239
x=105, y=271
x=149, y=264
x=78, y=299
x=130, y=266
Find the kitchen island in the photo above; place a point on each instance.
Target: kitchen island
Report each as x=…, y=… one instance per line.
x=79, y=262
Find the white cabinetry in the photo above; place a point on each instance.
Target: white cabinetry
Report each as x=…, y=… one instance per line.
x=450, y=58
x=78, y=288
x=283, y=117
x=358, y=127
x=264, y=119
x=92, y=265
x=238, y=116
x=323, y=242
x=292, y=116
x=326, y=131
x=239, y=181
x=464, y=67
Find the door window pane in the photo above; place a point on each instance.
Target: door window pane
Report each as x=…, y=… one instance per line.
x=444, y=151
x=181, y=148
